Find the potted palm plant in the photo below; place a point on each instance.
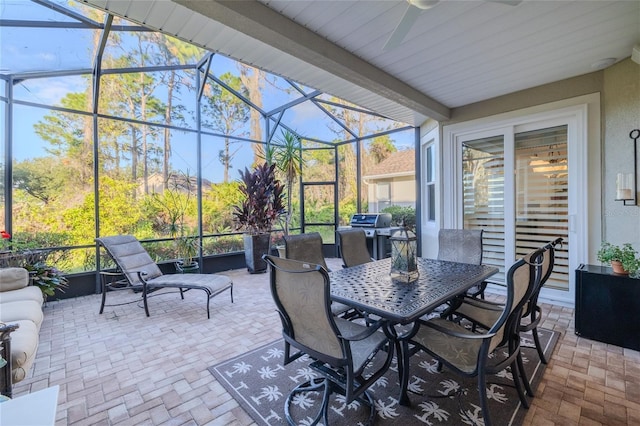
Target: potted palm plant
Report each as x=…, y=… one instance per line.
x=262, y=206
x=175, y=202
x=287, y=156
x=288, y=159
x=187, y=250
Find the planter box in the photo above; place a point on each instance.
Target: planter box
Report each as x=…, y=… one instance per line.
x=607, y=306
x=255, y=246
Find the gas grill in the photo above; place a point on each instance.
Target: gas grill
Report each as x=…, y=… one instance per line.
x=371, y=222
x=377, y=227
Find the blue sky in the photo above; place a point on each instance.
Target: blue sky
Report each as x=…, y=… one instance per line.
x=38, y=49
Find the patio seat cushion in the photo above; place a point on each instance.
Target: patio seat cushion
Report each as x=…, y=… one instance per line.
x=13, y=279
x=215, y=283
x=24, y=345
x=31, y=292
x=28, y=310
x=20, y=304
x=14, y=286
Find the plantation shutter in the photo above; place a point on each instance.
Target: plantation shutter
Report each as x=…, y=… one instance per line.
x=483, y=197
x=540, y=203
x=542, y=197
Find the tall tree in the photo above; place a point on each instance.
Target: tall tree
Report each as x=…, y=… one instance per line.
x=253, y=79
x=224, y=112
x=139, y=101
x=66, y=134
x=173, y=52
x=380, y=148
x=41, y=178
x=359, y=123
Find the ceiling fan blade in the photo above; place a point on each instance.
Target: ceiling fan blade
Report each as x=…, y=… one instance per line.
x=403, y=27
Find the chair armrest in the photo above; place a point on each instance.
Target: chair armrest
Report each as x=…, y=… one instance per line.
x=111, y=274
x=110, y=280
x=481, y=288
x=370, y=329
x=141, y=277
x=6, y=329
x=453, y=333
x=483, y=304
x=5, y=353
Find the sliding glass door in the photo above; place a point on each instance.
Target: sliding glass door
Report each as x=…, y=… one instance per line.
x=483, y=197
x=527, y=177
x=522, y=210
x=542, y=196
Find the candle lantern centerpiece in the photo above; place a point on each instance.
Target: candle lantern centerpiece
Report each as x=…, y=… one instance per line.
x=404, y=261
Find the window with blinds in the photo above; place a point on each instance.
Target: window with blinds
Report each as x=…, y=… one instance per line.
x=430, y=183
x=540, y=202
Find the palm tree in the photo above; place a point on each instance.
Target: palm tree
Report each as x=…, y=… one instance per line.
x=288, y=158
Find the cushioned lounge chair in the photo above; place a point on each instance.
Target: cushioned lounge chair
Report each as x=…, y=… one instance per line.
x=142, y=273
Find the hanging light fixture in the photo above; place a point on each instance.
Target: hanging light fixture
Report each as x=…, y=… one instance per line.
x=404, y=259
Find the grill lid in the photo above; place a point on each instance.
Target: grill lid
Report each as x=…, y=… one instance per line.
x=371, y=220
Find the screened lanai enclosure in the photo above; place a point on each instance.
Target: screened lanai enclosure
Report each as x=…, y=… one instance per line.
x=111, y=128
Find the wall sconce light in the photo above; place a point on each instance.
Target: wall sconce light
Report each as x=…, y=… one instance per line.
x=627, y=183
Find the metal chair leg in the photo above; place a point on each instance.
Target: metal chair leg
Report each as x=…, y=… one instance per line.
x=536, y=340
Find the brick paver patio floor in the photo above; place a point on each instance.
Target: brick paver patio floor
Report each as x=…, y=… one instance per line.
x=122, y=368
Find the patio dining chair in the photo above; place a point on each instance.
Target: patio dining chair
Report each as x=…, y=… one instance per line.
x=464, y=246
x=340, y=350
x=477, y=355
x=141, y=273
x=305, y=248
x=308, y=248
x=484, y=313
x=353, y=247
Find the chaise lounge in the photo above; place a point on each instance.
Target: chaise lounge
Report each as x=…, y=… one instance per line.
x=141, y=273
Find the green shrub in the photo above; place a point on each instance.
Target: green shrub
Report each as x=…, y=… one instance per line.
x=400, y=214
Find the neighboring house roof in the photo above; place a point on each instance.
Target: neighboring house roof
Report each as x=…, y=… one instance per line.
x=400, y=163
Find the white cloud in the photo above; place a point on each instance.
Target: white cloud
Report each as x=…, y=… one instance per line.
x=50, y=91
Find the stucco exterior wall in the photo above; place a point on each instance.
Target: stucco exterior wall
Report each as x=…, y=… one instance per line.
x=402, y=189
x=619, y=90
x=564, y=89
x=621, y=114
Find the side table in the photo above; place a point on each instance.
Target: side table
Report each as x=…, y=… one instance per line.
x=34, y=409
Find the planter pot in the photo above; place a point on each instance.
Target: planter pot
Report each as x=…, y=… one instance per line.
x=193, y=268
x=617, y=268
x=282, y=252
x=255, y=246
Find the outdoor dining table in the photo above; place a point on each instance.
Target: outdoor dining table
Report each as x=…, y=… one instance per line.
x=369, y=288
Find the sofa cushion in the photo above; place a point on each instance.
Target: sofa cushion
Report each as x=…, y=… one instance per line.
x=22, y=310
x=31, y=292
x=13, y=279
x=24, y=345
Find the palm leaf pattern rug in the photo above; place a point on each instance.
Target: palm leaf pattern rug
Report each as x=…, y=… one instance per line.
x=260, y=383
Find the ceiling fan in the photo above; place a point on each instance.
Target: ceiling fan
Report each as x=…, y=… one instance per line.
x=410, y=16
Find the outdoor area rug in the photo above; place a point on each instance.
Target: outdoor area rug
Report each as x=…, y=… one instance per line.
x=260, y=383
